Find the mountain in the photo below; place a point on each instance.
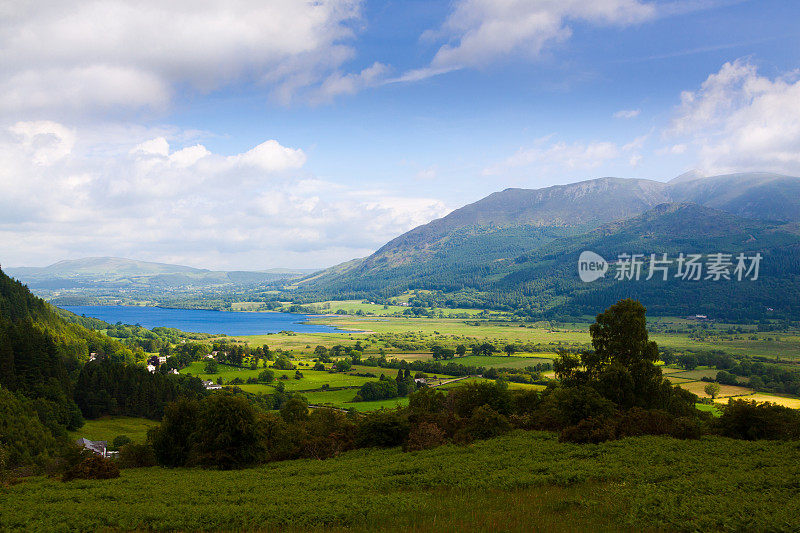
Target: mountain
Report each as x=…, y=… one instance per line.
x=110, y=271
x=753, y=195
x=550, y=277
x=472, y=254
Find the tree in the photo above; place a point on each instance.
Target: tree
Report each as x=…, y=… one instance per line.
x=621, y=367
x=172, y=440
x=266, y=376
x=211, y=366
x=509, y=349
x=229, y=434
x=295, y=409
x=343, y=365
x=712, y=389
x=461, y=350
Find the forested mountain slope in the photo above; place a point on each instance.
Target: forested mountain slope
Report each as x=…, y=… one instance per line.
x=471, y=254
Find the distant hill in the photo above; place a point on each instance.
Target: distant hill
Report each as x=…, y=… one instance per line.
x=115, y=272
x=475, y=254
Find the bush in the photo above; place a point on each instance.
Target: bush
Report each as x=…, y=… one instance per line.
x=467, y=398
x=136, y=456
x=567, y=406
x=120, y=441
x=423, y=436
x=384, y=428
x=749, y=420
x=94, y=467
x=484, y=423
x=282, y=364
x=591, y=430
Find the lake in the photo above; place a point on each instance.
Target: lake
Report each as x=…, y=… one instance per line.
x=203, y=321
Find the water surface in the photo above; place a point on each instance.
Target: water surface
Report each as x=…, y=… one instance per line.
x=202, y=321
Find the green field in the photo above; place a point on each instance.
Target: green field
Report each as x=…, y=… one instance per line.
x=108, y=427
x=785, y=346
x=523, y=481
x=309, y=385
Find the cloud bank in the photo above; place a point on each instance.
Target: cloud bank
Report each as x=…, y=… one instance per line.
x=256, y=209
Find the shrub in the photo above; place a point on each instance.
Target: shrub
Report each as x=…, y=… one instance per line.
x=120, y=441
x=136, y=456
x=566, y=406
x=266, y=376
x=282, y=364
x=423, y=436
x=749, y=420
x=591, y=430
x=94, y=467
x=295, y=409
x=484, y=423
x=466, y=398
x=384, y=428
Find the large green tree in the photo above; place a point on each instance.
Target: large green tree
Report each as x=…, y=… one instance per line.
x=621, y=366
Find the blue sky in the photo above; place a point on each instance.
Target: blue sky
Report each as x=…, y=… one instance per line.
x=261, y=134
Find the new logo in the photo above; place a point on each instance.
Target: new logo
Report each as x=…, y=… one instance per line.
x=591, y=266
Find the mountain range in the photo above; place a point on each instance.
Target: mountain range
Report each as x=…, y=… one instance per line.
x=115, y=272
x=518, y=249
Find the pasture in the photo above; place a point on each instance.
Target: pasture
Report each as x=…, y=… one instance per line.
x=109, y=427
x=507, y=483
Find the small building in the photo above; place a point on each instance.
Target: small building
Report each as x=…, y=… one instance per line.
x=98, y=447
x=210, y=385
x=162, y=359
x=92, y=356
x=151, y=368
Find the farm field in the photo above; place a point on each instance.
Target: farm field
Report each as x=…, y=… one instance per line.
x=785, y=346
x=309, y=385
x=109, y=427
x=521, y=479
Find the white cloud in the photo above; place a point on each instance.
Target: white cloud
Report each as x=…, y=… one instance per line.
x=479, y=32
x=256, y=209
x=269, y=156
x=44, y=141
x=740, y=120
x=557, y=157
x=126, y=54
x=627, y=113
x=338, y=83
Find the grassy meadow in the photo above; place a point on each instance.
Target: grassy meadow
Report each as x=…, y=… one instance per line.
x=523, y=480
x=109, y=427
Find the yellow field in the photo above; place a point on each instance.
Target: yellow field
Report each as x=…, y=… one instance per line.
x=697, y=387
x=793, y=403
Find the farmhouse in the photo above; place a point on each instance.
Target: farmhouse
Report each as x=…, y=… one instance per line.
x=210, y=385
x=98, y=447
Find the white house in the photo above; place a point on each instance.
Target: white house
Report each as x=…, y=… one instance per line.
x=210, y=385
x=151, y=368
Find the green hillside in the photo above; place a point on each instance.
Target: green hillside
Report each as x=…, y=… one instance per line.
x=517, y=250
x=543, y=279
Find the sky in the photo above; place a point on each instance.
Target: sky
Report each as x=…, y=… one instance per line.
x=248, y=135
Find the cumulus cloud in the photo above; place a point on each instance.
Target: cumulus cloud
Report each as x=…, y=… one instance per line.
x=479, y=32
x=256, y=209
x=740, y=120
x=127, y=54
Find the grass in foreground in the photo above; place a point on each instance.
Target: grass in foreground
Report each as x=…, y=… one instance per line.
x=518, y=482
